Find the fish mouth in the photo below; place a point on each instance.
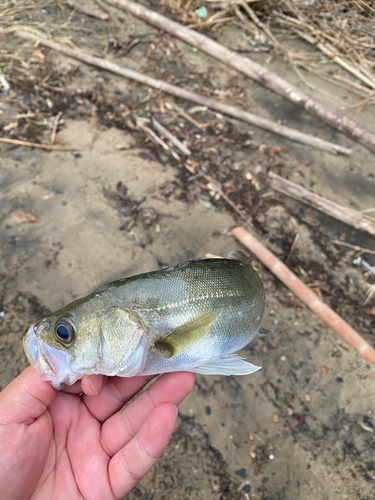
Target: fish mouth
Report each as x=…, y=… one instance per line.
x=50, y=363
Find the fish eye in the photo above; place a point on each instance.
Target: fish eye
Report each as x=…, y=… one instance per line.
x=64, y=330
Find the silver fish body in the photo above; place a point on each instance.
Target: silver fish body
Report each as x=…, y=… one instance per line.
x=192, y=316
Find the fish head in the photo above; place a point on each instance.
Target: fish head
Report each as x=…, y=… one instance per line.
x=63, y=346
x=86, y=337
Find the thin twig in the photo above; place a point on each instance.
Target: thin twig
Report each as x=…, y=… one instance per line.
x=168, y=135
x=354, y=247
x=293, y=246
x=307, y=296
x=154, y=137
x=55, y=125
x=189, y=118
x=253, y=70
x=255, y=120
x=37, y=145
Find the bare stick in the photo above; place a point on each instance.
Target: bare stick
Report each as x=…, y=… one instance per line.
x=348, y=215
x=84, y=9
x=253, y=70
x=168, y=135
x=304, y=293
x=55, y=125
x=36, y=145
x=289, y=133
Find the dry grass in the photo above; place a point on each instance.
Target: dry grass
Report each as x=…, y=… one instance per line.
x=342, y=31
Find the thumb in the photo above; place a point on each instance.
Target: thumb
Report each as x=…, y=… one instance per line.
x=26, y=398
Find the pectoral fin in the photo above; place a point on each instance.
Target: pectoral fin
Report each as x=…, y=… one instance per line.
x=186, y=335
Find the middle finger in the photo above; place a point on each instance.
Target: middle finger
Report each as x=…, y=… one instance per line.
x=124, y=425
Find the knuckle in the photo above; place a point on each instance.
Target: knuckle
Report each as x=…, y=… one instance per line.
x=134, y=476
x=129, y=429
x=145, y=452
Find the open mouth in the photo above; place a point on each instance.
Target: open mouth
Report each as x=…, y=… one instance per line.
x=51, y=363
x=38, y=354
x=45, y=360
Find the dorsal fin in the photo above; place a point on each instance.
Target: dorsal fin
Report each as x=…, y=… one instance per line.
x=241, y=256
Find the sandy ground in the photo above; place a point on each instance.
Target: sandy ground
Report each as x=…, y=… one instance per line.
x=302, y=427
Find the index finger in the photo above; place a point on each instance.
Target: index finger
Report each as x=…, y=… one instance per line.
x=116, y=392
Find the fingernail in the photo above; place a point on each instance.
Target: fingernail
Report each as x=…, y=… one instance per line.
x=96, y=383
x=175, y=407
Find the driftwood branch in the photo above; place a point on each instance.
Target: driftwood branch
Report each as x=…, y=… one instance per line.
x=348, y=215
x=304, y=293
x=289, y=133
x=253, y=70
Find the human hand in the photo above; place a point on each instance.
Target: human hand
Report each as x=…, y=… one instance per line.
x=56, y=445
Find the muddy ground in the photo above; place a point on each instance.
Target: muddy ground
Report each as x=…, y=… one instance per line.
x=303, y=426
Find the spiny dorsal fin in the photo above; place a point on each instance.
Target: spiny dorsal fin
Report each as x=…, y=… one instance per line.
x=241, y=256
x=185, y=335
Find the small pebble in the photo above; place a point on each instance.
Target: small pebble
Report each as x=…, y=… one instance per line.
x=230, y=437
x=271, y=457
x=283, y=358
x=241, y=473
x=275, y=417
x=307, y=398
x=290, y=411
x=324, y=369
x=339, y=379
x=252, y=454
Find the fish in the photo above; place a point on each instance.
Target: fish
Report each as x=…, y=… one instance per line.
x=191, y=316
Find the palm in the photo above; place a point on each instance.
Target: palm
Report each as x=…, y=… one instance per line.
x=91, y=447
